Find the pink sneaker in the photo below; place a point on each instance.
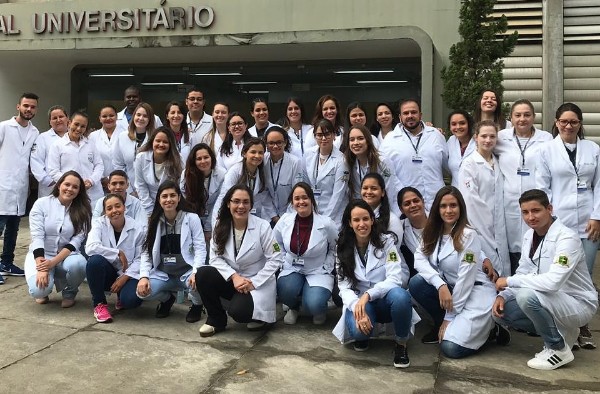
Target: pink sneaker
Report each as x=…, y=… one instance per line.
x=118, y=305
x=102, y=314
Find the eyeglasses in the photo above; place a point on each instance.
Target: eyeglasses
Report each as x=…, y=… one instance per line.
x=192, y=99
x=276, y=143
x=240, y=202
x=236, y=124
x=565, y=122
x=322, y=136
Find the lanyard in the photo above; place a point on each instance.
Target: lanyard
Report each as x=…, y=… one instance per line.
x=415, y=147
x=251, y=182
x=235, y=250
x=299, y=135
x=522, y=149
x=273, y=180
x=194, y=127
x=364, y=258
x=318, y=162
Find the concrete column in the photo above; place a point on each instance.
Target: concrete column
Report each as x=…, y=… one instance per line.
x=552, y=60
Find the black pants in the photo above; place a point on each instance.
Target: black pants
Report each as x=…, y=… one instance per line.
x=212, y=287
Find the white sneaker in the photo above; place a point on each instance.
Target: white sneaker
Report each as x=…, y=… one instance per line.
x=549, y=359
x=291, y=317
x=319, y=319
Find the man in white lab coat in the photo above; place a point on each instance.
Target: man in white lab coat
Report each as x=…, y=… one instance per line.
x=17, y=136
x=552, y=292
x=199, y=122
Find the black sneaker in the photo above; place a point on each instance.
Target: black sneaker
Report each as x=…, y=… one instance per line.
x=432, y=336
x=10, y=269
x=401, y=356
x=163, y=309
x=194, y=314
x=502, y=335
x=361, y=346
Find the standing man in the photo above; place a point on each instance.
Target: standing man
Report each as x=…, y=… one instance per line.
x=17, y=136
x=551, y=293
x=132, y=98
x=199, y=122
x=419, y=152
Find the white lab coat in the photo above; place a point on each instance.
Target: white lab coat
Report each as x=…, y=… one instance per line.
x=123, y=124
x=15, y=150
x=104, y=146
x=124, y=154
x=133, y=209
x=473, y=294
x=254, y=133
x=217, y=176
x=319, y=259
x=385, y=270
x=394, y=225
x=199, y=130
x=311, y=141
x=258, y=259
x=66, y=155
x=193, y=249
x=427, y=176
x=226, y=162
x=101, y=241
x=329, y=182
x=510, y=159
x=299, y=141
x=557, y=177
x=564, y=289
x=39, y=161
x=146, y=183
x=281, y=177
x=184, y=149
x=216, y=144
x=387, y=171
x=454, y=157
x=482, y=188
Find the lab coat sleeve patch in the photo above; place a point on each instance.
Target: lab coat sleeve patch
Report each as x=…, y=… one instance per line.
x=276, y=247
x=392, y=257
x=469, y=257
x=562, y=260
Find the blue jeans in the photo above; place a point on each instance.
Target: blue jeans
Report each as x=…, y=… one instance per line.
x=590, y=248
x=525, y=312
x=294, y=285
x=161, y=289
x=428, y=297
x=454, y=350
x=395, y=307
x=71, y=269
x=101, y=275
x=9, y=226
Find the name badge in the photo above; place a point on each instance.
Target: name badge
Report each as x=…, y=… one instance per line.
x=298, y=261
x=169, y=260
x=253, y=211
x=581, y=186
x=417, y=159
x=523, y=171
x=317, y=192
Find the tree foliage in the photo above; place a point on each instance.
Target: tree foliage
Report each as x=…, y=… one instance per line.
x=476, y=61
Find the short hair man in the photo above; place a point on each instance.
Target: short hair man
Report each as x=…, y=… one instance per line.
x=551, y=292
x=17, y=136
x=199, y=122
x=132, y=97
x=118, y=183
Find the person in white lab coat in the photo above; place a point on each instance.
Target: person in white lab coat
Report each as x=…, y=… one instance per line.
x=308, y=241
x=76, y=152
x=128, y=143
x=244, y=259
x=371, y=275
x=114, y=247
x=58, y=224
x=132, y=99
x=481, y=184
x=297, y=126
x=199, y=122
x=419, y=153
x=172, y=253
x=373, y=191
x=282, y=169
x=451, y=285
x=552, y=292
x=105, y=139
x=17, y=138
x=157, y=162
x=118, y=183
x=461, y=143
x=328, y=108
x=259, y=111
x=230, y=152
x=59, y=122
x=175, y=115
x=517, y=150
x=327, y=173
x=414, y=218
x=201, y=182
x=489, y=107
x=250, y=172
x=216, y=135
x=385, y=121
x=361, y=158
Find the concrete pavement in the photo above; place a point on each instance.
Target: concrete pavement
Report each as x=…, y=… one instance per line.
x=47, y=349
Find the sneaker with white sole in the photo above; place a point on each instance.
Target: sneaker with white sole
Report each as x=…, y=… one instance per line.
x=102, y=314
x=549, y=359
x=585, y=340
x=291, y=317
x=401, y=359
x=1, y=280
x=9, y=269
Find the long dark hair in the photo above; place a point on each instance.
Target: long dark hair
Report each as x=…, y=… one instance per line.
x=222, y=230
x=466, y=115
x=158, y=211
x=227, y=146
x=261, y=167
x=319, y=112
x=375, y=126
x=149, y=129
x=401, y=194
x=572, y=108
x=185, y=134
x=346, y=244
x=372, y=154
x=173, y=159
x=300, y=105
x=384, y=205
x=498, y=117
x=195, y=192
x=80, y=211
x=209, y=138
x=309, y=192
x=348, y=124
x=434, y=228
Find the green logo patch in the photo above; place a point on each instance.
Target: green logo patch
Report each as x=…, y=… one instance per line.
x=392, y=257
x=469, y=257
x=562, y=260
x=276, y=247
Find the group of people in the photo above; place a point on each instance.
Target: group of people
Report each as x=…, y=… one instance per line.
x=307, y=212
